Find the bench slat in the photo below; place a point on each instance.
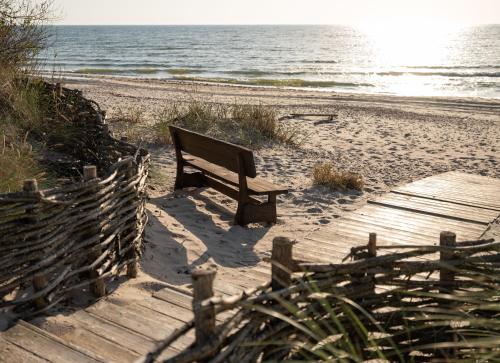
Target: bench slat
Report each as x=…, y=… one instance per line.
x=256, y=186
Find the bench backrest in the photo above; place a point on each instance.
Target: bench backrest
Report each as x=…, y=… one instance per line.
x=214, y=151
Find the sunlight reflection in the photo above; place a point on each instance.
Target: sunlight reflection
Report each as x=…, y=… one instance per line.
x=409, y=44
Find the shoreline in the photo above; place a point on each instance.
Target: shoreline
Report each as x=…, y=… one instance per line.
x=77, y=78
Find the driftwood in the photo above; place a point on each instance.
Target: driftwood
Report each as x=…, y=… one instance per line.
x=398, y=306
x=75, y=236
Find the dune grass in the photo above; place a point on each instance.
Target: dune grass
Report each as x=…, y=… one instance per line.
x=251, y=125
x=23, y=120
x=325, y=174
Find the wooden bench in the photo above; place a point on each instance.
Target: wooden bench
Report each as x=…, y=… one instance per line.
x=228, y=168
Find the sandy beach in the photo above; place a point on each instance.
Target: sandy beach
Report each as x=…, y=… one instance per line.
x=389, y=140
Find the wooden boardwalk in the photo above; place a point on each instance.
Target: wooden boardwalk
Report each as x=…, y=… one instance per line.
x=117, y=331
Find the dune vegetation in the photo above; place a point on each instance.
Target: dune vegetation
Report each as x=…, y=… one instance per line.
x=23, y=122
x=250, y=125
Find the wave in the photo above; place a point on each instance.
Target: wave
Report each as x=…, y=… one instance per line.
x=319, y=61
x=183, y=70
x=456, y=67
x=111, y=71
x=441, y=74
x=301, y=83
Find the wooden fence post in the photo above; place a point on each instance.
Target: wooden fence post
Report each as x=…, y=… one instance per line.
x=58, y=90
x=372, y=245
x=98, y=287
x=133, y=266
x=446, y=277
x=282, y=263
x=39, y=279
x=204, y=317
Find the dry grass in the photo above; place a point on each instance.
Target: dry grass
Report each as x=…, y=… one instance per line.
x=20, y=116
x=131, y=115
x=129, y=123
x=22, y=112
x=325, y=174
x=18, y=162
x=244, y=124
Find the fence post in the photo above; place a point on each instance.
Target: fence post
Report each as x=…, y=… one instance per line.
x=133, y=266
x=39, y=279
x=372, y=245
x=446, y=277
x=98, y=287
x=204, y=317
x=281, y=263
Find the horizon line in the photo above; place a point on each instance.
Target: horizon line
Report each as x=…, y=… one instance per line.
x=251, y=24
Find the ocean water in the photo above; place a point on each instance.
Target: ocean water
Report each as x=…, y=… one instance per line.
x=422, y=61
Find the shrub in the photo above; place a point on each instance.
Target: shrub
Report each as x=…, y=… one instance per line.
x=22, y=34
x=325, y=174
x=245, y=124
x=22, y=115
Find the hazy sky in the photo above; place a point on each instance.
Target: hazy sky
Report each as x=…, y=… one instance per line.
x=276, y=11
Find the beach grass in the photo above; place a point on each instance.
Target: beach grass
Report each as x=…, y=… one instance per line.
x=325, y=174
x=251, y=125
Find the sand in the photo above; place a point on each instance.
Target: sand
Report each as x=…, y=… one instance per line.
x=389, y=140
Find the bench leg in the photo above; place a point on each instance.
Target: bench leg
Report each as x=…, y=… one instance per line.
x=255, y=213
x=179, y=177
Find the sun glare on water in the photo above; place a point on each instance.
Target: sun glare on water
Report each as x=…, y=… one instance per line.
x=415, y=46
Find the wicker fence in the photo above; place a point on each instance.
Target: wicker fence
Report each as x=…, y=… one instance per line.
x=74, y=237
x=417, y=304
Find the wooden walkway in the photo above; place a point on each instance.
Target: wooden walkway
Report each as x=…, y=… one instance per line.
x=116, y=331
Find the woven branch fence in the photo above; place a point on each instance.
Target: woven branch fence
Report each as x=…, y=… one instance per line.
x=74, y=237
x=416, y=304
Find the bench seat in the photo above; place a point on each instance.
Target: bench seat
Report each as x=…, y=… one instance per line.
x=256, y=186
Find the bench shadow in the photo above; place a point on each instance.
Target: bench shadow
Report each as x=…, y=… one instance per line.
x=227, y=245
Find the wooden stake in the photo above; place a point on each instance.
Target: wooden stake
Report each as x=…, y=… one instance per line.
x=446, y=239
x=204, y=318
x=39, y=280
x=89, y=172
x=30, y=186
x=58, y=90
x=282, y=263
x=372, y=245
x=133, y=266
x=40, y=283
x=447, y=278
x=98, y=287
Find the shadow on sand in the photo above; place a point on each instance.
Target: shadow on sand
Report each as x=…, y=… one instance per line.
x=226, y=245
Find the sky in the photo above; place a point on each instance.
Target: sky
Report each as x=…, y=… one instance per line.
x=350, y=12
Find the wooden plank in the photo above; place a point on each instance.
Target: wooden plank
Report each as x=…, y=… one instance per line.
x=215, y=151
x=457, y=187
x=10, y=353
x=256, y=186
x=154, y=328
x=48, y=347
x=86, y=339
x=407, y=221
x=115, y=333
x=439, y=208
x=166, y=308
x=174, y=297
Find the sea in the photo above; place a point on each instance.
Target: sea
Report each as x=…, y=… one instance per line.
x=414, y=61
